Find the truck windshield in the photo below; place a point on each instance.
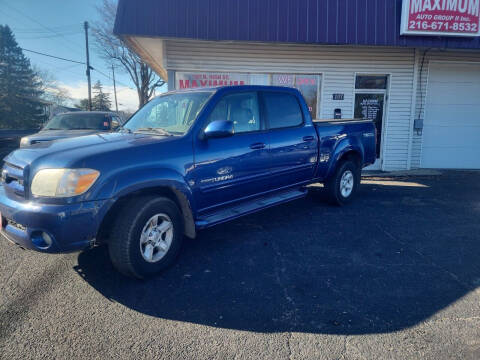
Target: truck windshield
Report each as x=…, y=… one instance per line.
x=80, y=121
x=171, y=114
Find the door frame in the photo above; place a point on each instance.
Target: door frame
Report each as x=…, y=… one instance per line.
x=379, y=163
x=223, y=179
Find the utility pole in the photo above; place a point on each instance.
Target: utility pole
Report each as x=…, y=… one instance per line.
x=85, y=24
x=114, y=88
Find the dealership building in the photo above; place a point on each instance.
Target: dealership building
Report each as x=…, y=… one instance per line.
x=411, y=66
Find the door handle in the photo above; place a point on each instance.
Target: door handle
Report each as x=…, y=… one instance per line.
x=257, y=146
x=308, y=138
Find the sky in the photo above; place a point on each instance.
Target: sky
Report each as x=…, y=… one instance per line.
x=55, y=27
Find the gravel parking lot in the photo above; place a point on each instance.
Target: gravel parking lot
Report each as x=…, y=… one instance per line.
x=394, y=275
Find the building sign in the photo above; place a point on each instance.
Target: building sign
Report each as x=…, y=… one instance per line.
x=338, y=96
x=207, y=79
x=441, y=17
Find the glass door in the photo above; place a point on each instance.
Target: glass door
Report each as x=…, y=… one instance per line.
x=370, y=104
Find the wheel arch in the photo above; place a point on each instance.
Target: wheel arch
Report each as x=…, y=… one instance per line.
x=168, y=191
x=353, y=155
x=346, y=151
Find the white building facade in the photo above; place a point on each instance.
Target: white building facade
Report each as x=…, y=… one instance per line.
x=424, y=100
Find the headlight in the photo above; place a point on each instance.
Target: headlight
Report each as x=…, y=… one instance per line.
x=25, y=141
x=63, y=182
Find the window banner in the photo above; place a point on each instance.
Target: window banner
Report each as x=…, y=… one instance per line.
x=307, y=84
x=441, y=17
x=195, y=80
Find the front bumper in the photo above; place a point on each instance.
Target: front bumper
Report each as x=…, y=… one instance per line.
x=69, y=227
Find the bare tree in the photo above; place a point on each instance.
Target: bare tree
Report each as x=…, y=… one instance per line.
x=114, y=50
x=52, y=91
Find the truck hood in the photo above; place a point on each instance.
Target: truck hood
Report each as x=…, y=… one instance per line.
x=50, y=135
x=73, y=151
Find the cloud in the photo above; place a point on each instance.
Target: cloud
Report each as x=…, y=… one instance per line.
x=127, y=98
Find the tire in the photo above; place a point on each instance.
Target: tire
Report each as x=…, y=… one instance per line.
x=338, y=195
x=160, y=243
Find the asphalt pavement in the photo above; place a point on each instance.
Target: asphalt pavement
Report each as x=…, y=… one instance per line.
x=394, y=275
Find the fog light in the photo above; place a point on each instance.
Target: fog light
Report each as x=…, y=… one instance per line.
x=47, y=239
x=41, y=240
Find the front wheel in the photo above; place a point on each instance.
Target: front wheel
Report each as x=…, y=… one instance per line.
x=342, y=185
x=147, y=236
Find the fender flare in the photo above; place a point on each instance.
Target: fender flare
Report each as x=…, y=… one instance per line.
x=129, y=181
x=344, y=146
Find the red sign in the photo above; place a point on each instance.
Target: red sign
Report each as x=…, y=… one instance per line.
x=441, y=17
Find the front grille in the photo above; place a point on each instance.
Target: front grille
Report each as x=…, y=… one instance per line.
x=13, y=179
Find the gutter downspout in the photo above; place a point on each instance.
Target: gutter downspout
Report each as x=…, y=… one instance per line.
x=416, y=65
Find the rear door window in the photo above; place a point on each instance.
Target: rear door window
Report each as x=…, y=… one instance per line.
x=282, y=110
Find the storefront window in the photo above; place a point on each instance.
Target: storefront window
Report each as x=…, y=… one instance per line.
x=308, y=84
x=371, y=82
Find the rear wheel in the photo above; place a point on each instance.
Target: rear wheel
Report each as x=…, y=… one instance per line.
x=146, y=237
x=342, y=185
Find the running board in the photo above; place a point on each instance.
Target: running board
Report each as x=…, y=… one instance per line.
x=248, y=207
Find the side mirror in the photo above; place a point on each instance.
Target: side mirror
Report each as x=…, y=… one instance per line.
x=219, y=129
x=114, y=124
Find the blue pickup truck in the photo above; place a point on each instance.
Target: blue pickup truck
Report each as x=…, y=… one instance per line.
x=186, y=161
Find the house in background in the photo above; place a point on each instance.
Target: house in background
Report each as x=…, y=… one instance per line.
x=47, y=110
x=54, y=109
x=412, y=66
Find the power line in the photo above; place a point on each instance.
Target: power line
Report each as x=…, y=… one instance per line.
x=49, y=36
x=108, y=77
x=68, y=28
x=65, y=70
x=53, y=56
x=66, y=67
x=43, y=26
x=76, y=62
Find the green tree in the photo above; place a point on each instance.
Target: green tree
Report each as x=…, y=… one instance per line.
x=83, y=104
x=20, y=88
x=101, y=100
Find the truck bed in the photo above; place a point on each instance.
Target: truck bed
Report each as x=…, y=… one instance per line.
x=348, y=133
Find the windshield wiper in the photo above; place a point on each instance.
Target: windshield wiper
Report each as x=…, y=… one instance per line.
x=158, y=131
x=121, y=129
